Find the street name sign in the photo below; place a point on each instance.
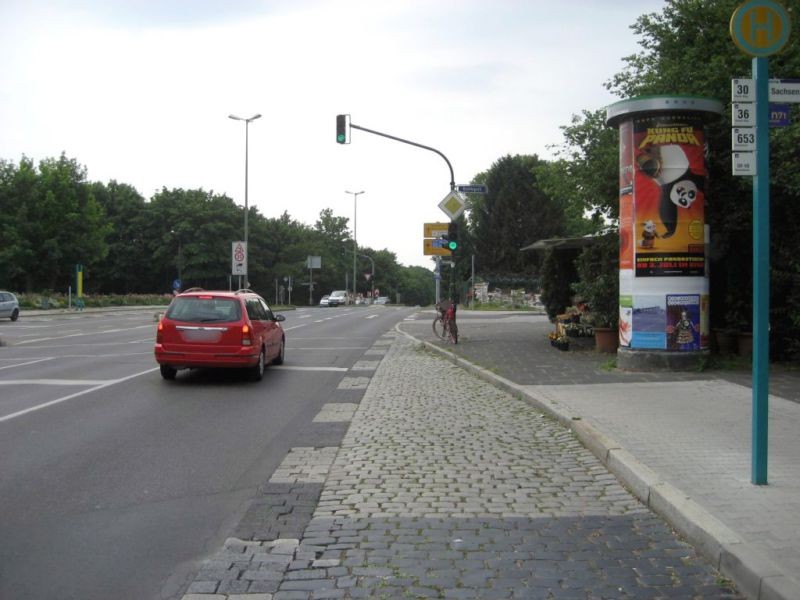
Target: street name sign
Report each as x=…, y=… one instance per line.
x=784, y=90
x=472, y=188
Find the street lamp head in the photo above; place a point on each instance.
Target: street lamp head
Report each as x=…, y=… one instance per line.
x=234, y=117
x=254, y=117
x=354, y=193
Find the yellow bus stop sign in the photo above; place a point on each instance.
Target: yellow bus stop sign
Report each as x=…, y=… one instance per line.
x=760, y=27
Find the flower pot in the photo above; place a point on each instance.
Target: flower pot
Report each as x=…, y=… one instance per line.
x=606, y=339
x=725, y=341
x=744, y=340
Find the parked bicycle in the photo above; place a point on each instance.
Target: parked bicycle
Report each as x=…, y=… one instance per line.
x=444, y=324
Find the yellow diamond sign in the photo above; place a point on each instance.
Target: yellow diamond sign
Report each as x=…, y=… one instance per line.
x=453, y=205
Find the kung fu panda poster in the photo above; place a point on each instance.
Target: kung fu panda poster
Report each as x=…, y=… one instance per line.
x=669, y=183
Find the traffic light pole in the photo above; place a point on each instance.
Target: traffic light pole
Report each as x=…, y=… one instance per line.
x=398, y=139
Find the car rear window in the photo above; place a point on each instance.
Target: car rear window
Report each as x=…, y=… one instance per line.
x=205, y=310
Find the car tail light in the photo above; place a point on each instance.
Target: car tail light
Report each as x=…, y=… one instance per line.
x=246, y=341
x=160, y=333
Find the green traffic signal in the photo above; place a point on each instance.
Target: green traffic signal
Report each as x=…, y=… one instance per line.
x=452, y=245
x=341, y=129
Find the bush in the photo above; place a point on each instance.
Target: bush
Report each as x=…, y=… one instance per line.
x=598, y=280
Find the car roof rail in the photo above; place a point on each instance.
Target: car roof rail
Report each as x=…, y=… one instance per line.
x=245, y=291
x=193, y=289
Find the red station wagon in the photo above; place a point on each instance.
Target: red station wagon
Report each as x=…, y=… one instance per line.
x=219, y=329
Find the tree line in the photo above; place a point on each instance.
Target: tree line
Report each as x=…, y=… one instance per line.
x=54, y=219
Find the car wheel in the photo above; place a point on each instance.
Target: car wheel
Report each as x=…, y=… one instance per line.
x=168, y=372
x=257, y=372
x=15, y=314
x=278, y=360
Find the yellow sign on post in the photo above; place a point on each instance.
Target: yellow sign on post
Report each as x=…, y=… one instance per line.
x=760, y=27
x=435, y=230
x=435, y=248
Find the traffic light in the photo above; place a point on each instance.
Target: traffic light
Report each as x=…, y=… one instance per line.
x=452, y=236
x=342, y=127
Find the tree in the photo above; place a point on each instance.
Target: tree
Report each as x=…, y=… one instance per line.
x=54, y=223
x=514, y=213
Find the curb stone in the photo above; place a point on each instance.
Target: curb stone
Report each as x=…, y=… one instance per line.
x=755, y=576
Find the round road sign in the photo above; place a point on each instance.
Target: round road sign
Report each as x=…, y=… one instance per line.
x=760, y=27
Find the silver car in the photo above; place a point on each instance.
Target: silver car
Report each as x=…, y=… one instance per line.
x=9, y=306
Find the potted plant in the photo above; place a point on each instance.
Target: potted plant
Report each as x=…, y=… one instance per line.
x=598, y=286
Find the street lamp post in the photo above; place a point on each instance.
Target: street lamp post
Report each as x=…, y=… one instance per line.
x=355, y=242
x=246, y=207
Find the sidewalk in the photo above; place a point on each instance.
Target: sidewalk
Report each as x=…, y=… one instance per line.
x=678, y=441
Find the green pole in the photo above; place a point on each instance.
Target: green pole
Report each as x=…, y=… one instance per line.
x=761, y=275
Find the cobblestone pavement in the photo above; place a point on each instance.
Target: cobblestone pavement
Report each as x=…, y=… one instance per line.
x=446, y=487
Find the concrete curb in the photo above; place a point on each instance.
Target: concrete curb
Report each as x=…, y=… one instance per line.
x=753, y=573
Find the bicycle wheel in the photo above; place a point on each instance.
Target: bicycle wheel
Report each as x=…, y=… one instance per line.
x=452, y=330
x=438, y=328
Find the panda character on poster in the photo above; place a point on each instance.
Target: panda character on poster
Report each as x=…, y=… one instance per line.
x=669, y=168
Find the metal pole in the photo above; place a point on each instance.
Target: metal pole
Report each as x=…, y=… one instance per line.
x=472, y=283
x=761, y=275
x=355, y=242
x=246, y=206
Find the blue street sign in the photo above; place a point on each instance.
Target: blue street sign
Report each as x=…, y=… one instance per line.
x=176, y=285
x=439, y=243
x=779, y=115
x=472, y=189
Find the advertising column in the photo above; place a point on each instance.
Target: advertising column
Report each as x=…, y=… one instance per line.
x=663, y=275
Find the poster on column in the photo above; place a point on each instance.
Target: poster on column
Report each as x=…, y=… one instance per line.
x=669, y=186
x=649, y=318
x=683, y=322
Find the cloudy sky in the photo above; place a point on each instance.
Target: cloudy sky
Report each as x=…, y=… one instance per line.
x=140, y=92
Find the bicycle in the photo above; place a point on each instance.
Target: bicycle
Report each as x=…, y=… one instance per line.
x=444, y=324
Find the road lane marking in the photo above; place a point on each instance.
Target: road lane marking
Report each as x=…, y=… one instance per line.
x=295, y=327
x=371, y=317
x=54, y=381
x=59, y=337
x=25, y=364
x=294, y=368
x=75, y=395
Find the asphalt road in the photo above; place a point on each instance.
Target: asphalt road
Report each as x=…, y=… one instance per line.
x=117, y=484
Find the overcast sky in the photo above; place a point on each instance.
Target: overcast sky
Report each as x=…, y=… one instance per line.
x=140, y=92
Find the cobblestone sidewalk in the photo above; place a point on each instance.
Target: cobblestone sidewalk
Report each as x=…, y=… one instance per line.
x=446, y=487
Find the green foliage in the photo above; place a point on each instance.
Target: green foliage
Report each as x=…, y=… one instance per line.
x=584, y=177
x=557, y=273
x=597, y=268
x=515, y=213
x=54, y=219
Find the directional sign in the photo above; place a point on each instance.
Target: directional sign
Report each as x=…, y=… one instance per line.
x=453, y=205
x=435, y=248
x=435, y=230
x=472, y=188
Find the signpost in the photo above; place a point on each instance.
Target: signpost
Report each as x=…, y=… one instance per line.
x=760, y=28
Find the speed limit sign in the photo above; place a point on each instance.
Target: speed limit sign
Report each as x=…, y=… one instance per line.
x=238, y=258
